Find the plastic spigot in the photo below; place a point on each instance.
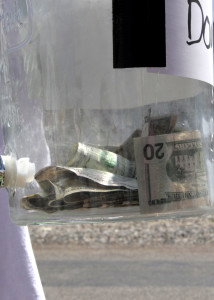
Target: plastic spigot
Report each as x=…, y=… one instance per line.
x=18, y=172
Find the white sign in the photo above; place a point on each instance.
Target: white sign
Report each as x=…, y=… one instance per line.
x=189, y=39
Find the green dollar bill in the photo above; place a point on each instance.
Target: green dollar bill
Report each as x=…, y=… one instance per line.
x=86, y=156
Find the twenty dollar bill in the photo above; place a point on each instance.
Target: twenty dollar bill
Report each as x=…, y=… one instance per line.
x=170, y=172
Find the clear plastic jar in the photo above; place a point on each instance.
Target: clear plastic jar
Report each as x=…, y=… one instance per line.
x=84, y=123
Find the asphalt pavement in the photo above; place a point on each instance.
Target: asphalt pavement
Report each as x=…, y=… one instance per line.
x=127, y=273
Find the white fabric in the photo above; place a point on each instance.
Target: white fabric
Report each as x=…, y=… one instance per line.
x=19, y=277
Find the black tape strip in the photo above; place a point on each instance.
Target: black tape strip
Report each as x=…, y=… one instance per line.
x=139, y=35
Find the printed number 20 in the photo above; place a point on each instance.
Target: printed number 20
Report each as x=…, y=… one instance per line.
x=150, y=152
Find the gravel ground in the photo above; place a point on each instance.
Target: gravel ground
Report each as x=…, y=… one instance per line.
x=188, y=231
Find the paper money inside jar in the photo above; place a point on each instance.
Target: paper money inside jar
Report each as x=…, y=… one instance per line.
x=94, y=176
x=170, y=172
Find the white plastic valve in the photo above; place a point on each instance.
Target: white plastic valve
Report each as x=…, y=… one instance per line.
x=18, y=172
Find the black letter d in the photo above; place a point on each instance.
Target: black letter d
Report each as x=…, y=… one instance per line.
x=190, y=19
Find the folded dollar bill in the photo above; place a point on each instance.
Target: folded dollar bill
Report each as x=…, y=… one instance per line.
x=162, y=124
x=170, y=172
x=86, y=156
x=77, y=177
x=80, y=200
x=72, y=188
x=159, y=125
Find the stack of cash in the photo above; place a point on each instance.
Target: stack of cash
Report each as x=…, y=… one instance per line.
x=75, y=188
x=102, y=177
